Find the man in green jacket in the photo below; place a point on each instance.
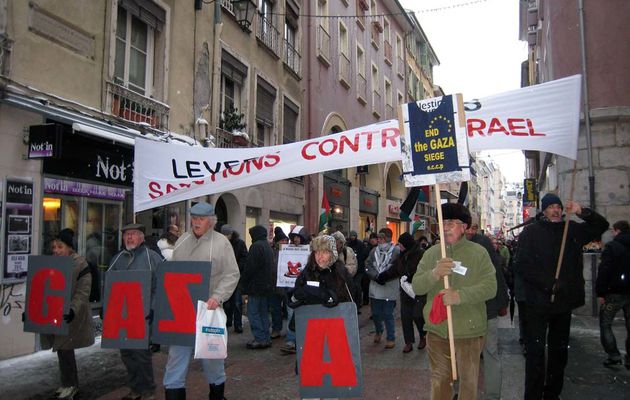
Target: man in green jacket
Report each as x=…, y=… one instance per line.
x=472, y=281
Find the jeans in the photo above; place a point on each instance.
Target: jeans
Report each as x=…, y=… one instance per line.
x=234, y=309
x=275, y=306
x=467, y=356
x=258, y=314
x=177, y=368
x=383, y=311
x=613, y=303
x=492, y=362
x=550, y=329
x=139, y=369
x=290, y=337
x=410, y=314
x=68, y=368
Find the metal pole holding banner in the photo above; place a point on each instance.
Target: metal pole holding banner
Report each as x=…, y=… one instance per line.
x=449, y=314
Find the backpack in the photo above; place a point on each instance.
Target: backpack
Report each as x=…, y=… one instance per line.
x=95, y=290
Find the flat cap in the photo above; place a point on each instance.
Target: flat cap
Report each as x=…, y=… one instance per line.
x=227, y=229
x=202, y=209
x=131, y=225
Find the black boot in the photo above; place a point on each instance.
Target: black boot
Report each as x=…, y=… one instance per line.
x=175, y=394
x=216, y=392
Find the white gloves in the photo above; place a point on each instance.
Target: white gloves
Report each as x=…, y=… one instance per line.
x=406, y=286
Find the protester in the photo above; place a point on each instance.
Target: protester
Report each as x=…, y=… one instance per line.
x=497, y=306
x=299, y=235
x=166, y=244
x=203, y=244
x=257, y=284
x=424, y=242
x=384, y=286
x=346, y=254
x=277, y=298
x=78, y=318
x=613, y=291
x=334, y=284
x=234, y=306
x=136, y=256
x=549, y=300
x=467, y=293
x=410, y=304
x=360, y=251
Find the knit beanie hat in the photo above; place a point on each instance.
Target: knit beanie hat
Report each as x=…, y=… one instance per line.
x=278, y=234
x=406, y=240
x=67, y=237
x=456, y=211
x=550, y=199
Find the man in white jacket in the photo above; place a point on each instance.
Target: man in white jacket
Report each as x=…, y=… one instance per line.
x=203, y=244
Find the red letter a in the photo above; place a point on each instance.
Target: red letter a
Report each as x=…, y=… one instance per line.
x=184, y=312
x=125, y=298
x=329, y=331
x=36, y=297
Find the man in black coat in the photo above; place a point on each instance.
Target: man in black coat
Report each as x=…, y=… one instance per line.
x=613, y=290
x=549, y=321
x=234, y=306
x=410, y=305
x=359, y=249
x=257, y=281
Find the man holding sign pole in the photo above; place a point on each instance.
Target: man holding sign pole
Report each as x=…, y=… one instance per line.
x=472, y=282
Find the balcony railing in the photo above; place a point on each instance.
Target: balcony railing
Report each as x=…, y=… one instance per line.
x=227, y=4
x=268, y=34
x=134, y=107
x=344, y=70
x=388, y=52
x=226, y=140
x=323, y=45
x=400, y=67
x=292, y=57
x=376, y=103
x=361, y=89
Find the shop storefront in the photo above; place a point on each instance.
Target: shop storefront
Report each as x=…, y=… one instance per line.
x=368, y=210
x=393, y=219
x=338, y=192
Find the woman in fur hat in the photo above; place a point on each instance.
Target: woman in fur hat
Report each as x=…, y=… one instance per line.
x=323, y=266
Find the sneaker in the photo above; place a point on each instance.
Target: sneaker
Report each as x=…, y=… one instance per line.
x=254, y=345
x=288, y=348
x=59, y=390
x=612, y=361
x=422, y=343
x=275, y=335
x=132, y=396
x=390, y=344
x=68, y=393
x=377, y=337
x=408, y=347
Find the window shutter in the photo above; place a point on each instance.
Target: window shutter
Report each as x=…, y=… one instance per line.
x=265, y=99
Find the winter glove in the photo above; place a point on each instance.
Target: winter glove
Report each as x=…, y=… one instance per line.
x=406, y=287
x=380, y=279
x=149, y=317
x=331, y=298
x=69, y=317
x=23, y=316
x=444, y=267
x=155, y=348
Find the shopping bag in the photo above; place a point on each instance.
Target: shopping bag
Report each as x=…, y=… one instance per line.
x=211, y=333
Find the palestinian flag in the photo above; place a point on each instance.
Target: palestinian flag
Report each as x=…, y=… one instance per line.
x=326, y=216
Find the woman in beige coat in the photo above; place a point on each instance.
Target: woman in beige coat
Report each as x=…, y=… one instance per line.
x=79, y=317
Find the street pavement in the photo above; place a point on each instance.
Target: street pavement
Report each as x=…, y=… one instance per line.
x=267, y=374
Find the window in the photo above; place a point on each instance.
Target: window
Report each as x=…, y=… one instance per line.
x=233, y=76
x=344, y=59
x=265, y=102
x=323, y=35
x=376, y=95
x=292, y=57
x=290, y=122
x=267, y=32
x=134, y=53
x=400, y=63
x=361, y=81
x=389, y=108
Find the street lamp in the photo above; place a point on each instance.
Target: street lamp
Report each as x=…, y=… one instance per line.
x=244, y=12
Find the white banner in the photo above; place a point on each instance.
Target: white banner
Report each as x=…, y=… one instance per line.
x=543, y=117
x=166, y=173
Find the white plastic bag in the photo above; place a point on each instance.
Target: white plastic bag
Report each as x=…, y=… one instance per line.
x=211, y=333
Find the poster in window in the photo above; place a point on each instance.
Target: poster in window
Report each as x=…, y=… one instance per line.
x=18, y=229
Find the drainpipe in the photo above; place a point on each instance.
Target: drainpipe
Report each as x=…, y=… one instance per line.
x=308, y=179
x=587, y=116
x=216, y=69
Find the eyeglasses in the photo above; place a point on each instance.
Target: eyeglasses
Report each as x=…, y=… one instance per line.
x=452, y=222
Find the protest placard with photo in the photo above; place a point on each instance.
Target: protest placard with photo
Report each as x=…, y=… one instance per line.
x=291, y=260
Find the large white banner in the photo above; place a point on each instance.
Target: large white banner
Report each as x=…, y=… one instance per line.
x=543, y=117
x=167, y=173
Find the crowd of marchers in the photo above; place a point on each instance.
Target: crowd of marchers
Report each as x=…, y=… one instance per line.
x=486, y=277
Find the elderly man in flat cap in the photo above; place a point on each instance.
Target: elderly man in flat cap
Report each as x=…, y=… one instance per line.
x=203, y=243
x=550, y=300
x=137, y=256
x=472, y=281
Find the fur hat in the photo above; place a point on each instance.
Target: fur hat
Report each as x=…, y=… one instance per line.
x=406, y=240
x=456, y=211
x=550, y=199
x=66, y=236
x=339, y=237
x=326, y=243
x=278, y=234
